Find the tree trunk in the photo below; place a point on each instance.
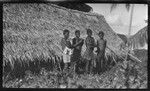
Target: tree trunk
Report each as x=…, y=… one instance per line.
x=131, y=15
x=129, y=48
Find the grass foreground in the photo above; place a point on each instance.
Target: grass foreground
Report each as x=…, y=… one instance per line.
x=117, y=77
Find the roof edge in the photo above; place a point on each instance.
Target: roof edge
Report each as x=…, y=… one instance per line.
x=77, y=11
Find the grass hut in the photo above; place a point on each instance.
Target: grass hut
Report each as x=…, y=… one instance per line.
x=123, y=37
x=32, y=32
x=140, y=39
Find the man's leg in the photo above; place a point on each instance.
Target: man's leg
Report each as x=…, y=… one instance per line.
x=99, y=67
x=103, y=64
x=66, y=61
x=91, y=66
x=84, y=65
x=77, y=67
x=74, y=66
x=87, y=66
x=65, y=67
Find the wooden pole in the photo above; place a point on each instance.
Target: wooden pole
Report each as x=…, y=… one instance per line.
x=129, y=33
x=129, y=47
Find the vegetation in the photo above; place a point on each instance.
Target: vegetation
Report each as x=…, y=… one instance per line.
x=139, y=40
x=123, y=37
x=115, y=77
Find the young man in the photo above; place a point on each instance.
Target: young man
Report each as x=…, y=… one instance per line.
x=101, y=46
x=67, y=48
x=89, y=55
x=77, y=44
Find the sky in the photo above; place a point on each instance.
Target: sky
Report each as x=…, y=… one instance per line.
x=119, y=18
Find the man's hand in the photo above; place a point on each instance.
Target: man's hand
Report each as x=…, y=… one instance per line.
x=97, y=51
x=78, y=43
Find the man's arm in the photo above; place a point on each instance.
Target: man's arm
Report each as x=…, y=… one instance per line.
x=105, y=44
x=69, y=45
x=97, y=47
x=61, y=43
x=73, y=41
x=89, y=42
x=81, y=41
x=92, y=43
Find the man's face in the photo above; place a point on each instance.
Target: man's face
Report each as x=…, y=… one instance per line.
x=101, y=36
x=66, y=35
x=89, y=33
x=77, y=34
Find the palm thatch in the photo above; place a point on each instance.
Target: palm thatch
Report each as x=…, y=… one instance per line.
x=34, y=31
x=123, y=37
x=139, y=40
x=75, y=6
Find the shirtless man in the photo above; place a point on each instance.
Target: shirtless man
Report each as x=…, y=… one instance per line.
x=66, y=47
x=89, y=54
x=77, y=44
x=101, y=46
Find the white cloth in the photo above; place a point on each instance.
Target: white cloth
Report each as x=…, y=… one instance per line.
x=68, y=51
x=67, y=54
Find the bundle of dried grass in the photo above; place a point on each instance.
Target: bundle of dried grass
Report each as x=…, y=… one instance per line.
x=34, y=31
x=139, y=40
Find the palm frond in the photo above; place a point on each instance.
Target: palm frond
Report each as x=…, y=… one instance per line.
x=113, y=6
x=139, y=39
x=128, y=7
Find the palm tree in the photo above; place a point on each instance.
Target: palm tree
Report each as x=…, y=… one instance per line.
x=128, y=6
x=113, y=6
x=130, y=24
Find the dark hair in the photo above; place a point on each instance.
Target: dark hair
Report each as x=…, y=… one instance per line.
x=89, y=31
x=65, y=31
x=101, y=32
x=77, y=31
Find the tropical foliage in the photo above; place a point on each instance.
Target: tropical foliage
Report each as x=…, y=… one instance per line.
x=139, y=40
x=136, y=41
x=123, y=37
x=117, y=77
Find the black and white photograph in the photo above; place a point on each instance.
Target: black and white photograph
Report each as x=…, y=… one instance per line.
x=68, y=45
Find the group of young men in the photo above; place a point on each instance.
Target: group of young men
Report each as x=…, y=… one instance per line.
x=72, y=51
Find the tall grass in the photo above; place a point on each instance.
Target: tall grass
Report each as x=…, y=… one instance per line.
x=116, y=77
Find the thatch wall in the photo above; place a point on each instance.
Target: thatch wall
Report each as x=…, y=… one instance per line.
x=140, y=39
x=123, y=37
x=35, y=30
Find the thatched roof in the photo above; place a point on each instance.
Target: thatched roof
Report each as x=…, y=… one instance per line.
x=142, y=54
x=139, y=39
x=35, y=30
x=123, y=37
x=75, y=6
